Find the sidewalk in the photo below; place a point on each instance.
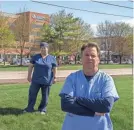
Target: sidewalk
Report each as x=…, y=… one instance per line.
x=20, y=76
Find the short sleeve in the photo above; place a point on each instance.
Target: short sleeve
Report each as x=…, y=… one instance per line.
x=109, y=89
x=32, y=60
x=54, y=63
x=68, y=87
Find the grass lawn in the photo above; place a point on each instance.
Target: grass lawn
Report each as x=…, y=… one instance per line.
x=14, y=99
x=65, y=67
x=101, y=66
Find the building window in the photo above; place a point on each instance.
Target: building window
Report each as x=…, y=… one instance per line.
x=36, y=26
x=38, y=33
x=34, y=33
x=31, y=40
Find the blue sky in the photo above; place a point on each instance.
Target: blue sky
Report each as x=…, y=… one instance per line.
x=91, y=18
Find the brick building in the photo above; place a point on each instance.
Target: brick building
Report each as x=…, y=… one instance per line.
x=27, y=24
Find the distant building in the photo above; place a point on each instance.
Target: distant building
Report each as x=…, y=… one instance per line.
x=34, y=22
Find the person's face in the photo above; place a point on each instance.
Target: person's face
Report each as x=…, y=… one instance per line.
x=44, y=50
x=90, y=58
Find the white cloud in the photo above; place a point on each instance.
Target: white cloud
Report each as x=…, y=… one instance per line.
x=130, y=22
x=93, y=26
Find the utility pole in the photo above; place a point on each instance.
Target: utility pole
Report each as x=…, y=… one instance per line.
x=105, y=44
x=107, y=50
x=108, y=53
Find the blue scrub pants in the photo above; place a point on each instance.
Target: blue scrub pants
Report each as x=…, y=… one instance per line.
x=33, y=91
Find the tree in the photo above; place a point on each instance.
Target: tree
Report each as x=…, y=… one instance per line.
x=66, y=32
x=84, y=33
x=22, y=30
x=62, y=23
x=130, y=42
x=130, y=45
x=48, y=33
x=115, y=35
x=6, y=36
x=105, y=30
x=121, y=34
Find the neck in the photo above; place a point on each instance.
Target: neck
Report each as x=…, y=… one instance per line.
x=44, y=55
x=90, y=72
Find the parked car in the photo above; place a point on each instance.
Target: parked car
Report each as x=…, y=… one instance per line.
x=17, y=61
x=1, y=60
x=72, y=62
x=127, y=62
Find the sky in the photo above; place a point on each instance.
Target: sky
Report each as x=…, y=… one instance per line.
x=91, y=18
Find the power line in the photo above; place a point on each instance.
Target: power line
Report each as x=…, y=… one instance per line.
x=111, y=4
x=131, y=1
x=81, y=9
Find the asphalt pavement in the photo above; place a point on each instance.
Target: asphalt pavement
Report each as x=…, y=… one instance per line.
x=7, y=77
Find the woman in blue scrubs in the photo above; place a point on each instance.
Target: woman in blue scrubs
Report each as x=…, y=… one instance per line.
x=44, y=68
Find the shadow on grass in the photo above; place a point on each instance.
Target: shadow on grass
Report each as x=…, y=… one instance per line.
x=11, y=111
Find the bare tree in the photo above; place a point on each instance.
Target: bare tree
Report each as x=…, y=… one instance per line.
x=22, y=30
x=115, y=35
x=105, y=30
x=121, y=34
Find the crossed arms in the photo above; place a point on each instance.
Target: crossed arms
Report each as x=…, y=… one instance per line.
x=85, y=107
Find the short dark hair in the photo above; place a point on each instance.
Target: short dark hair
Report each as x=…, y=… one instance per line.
x=44, y=44
x=91, y=44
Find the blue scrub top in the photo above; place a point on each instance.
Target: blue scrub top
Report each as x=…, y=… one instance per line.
x=101, y=85
x=42, y=73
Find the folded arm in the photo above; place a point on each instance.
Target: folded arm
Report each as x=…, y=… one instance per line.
x=69, y=104
x=102, y=105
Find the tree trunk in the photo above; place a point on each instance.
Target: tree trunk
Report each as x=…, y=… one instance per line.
x=21, y=56
x=75, y=58
x=108, y=57
x=59, y=48
x=120, y=58
x=4, y=57
x=105, y=53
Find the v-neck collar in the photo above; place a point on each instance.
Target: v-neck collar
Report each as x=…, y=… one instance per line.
x=45, y=57
x=84, y=78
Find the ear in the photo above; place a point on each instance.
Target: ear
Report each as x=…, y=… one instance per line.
x=98, y=60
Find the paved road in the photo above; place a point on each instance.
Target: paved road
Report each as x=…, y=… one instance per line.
x=20, y=76
x=61, y=73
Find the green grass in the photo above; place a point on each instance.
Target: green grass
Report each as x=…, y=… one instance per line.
x=64, y=67
x=101, y=66
x=123, y=109
x=14, y=99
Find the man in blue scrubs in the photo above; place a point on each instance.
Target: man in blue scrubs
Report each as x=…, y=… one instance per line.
x=88, y=95
x=44, y=75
